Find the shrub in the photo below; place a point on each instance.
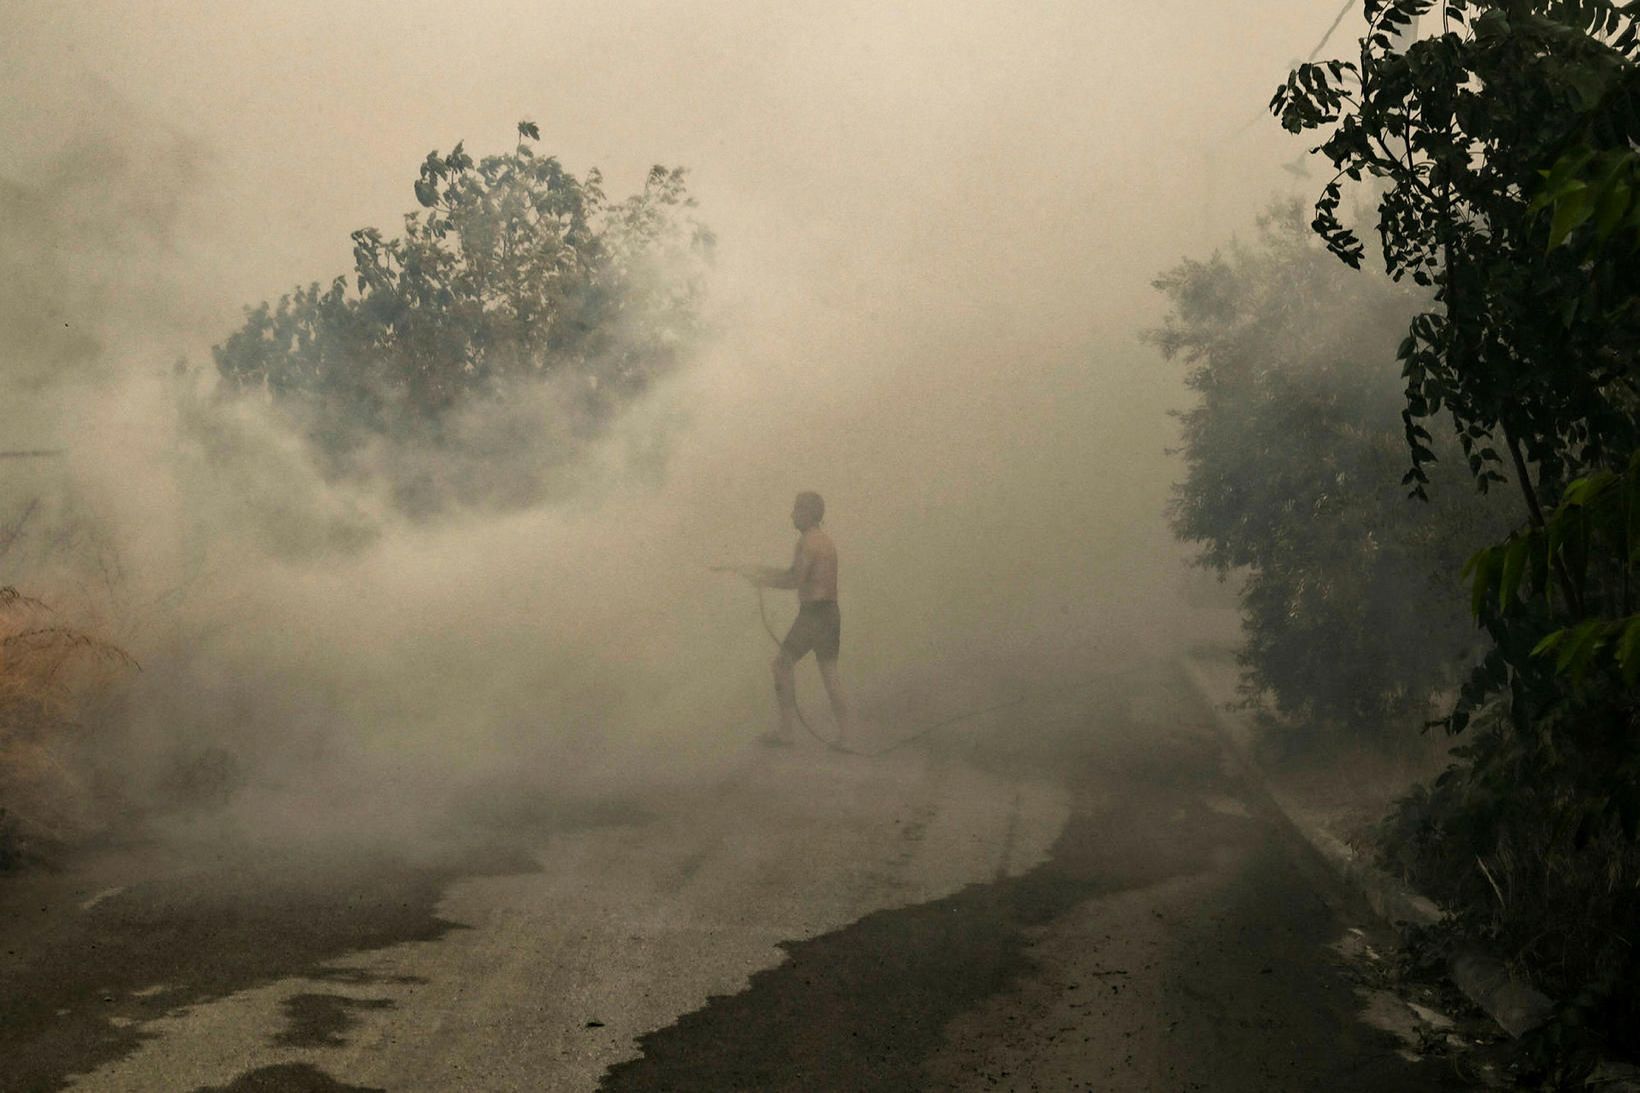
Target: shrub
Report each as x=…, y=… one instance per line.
x=1352, y=612
x=45, y=797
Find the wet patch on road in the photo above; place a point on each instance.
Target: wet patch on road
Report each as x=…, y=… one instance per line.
x=78, y=990
x=321, y=1020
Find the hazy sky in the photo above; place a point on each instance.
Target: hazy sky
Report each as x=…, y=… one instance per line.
x=1053, y=152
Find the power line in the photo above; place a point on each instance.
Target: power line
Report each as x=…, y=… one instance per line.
x=1214, y=148
x=1319, y=46
x=1327, y=37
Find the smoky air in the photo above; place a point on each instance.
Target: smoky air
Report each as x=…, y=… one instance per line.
x=396, y=400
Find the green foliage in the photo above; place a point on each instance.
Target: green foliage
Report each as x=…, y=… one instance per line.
x=1600, y=189
x=516, y=285
x=1459, y=128
x=1351, y=615
x=1504, y=146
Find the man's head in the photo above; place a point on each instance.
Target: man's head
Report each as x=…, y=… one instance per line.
x=808, y=510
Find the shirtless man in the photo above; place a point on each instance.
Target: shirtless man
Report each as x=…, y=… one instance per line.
x=819, y=627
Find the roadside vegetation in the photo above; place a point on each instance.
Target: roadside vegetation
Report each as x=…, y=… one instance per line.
x=1354, y=615
x=1498, y=140
x=468, y=361
x=47, y=794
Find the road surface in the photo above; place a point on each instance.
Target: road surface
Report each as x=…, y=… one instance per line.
x=1073, y=894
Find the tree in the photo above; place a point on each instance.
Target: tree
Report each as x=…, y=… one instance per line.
x=1351, y=608
x=1457, y=127
x=1505, y=148
x=517, y=285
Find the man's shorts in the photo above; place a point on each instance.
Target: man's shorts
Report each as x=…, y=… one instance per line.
x=819, y=627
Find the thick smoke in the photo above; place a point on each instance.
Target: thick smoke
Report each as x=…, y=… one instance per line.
x=925, y=309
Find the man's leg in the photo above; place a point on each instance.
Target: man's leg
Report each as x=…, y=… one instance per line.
x=785, y=692
x=834, y=691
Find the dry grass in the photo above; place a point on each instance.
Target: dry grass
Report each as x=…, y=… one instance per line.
x=45, y=669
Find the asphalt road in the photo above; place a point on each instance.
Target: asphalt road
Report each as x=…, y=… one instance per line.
x=1074, y=894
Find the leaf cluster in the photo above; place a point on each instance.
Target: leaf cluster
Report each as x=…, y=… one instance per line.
x=1458, y=128
x=513, y=272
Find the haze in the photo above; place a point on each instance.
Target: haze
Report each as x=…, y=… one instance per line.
x=937, y=227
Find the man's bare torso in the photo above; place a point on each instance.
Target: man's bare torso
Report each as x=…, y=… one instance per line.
x=815, y=565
